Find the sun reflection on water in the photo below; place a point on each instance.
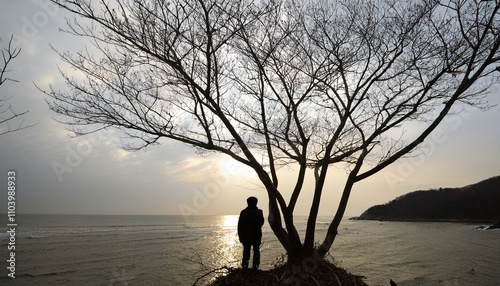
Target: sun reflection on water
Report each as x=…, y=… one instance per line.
x=227, y=240
x=230, y=221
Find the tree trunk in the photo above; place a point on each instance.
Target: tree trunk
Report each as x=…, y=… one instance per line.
x=313, y=214
x=334, y=225
x=274, y=220
x=289, y=238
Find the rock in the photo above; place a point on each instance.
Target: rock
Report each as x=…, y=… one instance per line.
x=495, y=226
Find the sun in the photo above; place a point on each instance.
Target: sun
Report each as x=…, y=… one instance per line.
x=230, y=221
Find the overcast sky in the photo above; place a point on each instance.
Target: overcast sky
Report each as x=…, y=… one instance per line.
x=93, y=175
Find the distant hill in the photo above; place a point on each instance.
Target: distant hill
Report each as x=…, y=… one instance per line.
x=477, y=202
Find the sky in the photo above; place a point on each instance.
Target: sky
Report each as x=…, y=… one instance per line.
x=93, y=175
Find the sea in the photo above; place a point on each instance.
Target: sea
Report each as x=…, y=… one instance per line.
x=185, y=250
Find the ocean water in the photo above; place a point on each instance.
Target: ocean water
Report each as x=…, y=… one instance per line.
x=176, y=250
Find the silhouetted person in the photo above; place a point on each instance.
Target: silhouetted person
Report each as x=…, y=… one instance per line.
x=250, y=232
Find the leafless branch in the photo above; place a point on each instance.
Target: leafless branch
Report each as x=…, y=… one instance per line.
x=8, y=117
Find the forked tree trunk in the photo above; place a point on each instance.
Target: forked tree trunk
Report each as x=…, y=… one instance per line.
x=307, y=252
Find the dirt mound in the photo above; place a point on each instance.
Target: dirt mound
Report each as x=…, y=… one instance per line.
x=319, y=273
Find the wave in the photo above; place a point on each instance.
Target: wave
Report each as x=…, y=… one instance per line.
x=45, y=274
x=46, y=233
x=171, y=231
x=352, y=233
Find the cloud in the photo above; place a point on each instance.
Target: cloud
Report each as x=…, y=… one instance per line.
x=107, y=179
x=193, y=169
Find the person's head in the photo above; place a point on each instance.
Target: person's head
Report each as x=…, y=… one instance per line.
x=252, y=201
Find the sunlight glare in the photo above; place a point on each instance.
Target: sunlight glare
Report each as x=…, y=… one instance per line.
x=230, y=221
x=228, y=249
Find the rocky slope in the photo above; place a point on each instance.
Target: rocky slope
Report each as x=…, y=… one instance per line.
x=477, y=202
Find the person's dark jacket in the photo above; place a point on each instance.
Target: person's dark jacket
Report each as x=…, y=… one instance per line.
x=250, y=225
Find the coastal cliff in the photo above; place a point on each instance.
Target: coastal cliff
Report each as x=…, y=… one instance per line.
x=476, y=202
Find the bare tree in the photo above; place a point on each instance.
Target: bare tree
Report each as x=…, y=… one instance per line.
x=274, y=83
x=7, y=114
